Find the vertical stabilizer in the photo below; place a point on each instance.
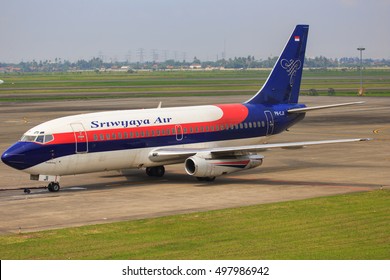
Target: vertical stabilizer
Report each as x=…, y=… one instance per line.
x=283, y=83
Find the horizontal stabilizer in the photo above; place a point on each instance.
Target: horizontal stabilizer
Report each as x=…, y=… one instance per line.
x=306, y=109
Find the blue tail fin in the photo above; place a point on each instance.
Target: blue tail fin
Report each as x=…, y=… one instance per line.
x=283, y=83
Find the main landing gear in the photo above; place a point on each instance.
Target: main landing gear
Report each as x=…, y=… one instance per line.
x=155, y=171
x=205, y=179
x=53, y=187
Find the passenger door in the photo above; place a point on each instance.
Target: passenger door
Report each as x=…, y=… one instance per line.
x=179, y=132
x=80, y=138
x=270, y=122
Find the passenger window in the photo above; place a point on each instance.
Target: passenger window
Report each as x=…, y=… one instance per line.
x=101, y=137
x=245, y=125
x=113, y=136
x=95, y=137
x=263, y=123
x=119, y=135
x=241, y=126
x=108, y=136
x=250, y=125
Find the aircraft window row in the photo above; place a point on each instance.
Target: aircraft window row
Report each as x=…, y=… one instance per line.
x=37, y=138
x=172, y=131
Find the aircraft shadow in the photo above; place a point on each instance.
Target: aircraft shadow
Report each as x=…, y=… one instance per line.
x=137, y=178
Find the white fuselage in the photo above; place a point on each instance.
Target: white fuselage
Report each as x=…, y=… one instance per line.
x=97, y=141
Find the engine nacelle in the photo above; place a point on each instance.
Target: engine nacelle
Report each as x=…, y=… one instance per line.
x=204, y=167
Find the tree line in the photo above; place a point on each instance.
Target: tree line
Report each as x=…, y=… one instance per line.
x=248, y=62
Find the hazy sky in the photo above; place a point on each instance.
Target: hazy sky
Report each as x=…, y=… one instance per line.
x=118, y=29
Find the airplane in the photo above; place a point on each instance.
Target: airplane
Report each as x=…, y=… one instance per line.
x=211, y=140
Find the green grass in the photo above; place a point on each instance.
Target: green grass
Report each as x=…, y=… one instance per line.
x=353, y=226
x=90, y=85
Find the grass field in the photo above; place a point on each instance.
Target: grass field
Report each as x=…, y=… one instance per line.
x=353, y=226
x=65, y=86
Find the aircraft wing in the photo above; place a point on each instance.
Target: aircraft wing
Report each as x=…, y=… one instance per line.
x=163, y=154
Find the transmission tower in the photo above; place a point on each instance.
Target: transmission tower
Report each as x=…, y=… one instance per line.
x=140, y=53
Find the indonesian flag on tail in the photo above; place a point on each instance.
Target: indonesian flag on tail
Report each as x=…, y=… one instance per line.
x=297, y=38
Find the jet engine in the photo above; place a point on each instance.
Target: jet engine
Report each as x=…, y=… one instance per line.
x=213, y=167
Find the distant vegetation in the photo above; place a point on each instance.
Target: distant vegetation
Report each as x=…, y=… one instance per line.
x=80, y=85
x=97, y=64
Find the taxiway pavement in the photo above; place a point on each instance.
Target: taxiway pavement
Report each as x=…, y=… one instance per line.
x=285, y=174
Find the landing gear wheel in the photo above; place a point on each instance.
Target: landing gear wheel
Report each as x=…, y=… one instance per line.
x=155, y=171
x=159, y=171
x=149, y=171
x=53, y=187
x=206, y=179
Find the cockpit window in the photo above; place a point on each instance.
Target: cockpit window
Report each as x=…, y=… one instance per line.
x=37, y=138
x=48, y=138
x=40, y=139
x=28, y=138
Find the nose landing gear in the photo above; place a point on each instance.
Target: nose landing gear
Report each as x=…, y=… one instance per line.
x=53, y=187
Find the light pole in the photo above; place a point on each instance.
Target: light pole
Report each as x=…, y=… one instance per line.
x=361, y=91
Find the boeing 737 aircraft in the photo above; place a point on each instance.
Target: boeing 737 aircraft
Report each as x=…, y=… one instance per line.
x=210, y=140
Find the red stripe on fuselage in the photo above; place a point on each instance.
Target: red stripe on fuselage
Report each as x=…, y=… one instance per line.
x=233, y=114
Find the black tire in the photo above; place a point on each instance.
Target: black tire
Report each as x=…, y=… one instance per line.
x=159, y=171
x=53, y=187
x=205, y=179
x=149, y=171
x=155, y=171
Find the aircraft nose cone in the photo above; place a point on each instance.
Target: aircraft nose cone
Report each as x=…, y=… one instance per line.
x=13, y=159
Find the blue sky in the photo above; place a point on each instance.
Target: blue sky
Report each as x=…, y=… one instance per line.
x=118, y=29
